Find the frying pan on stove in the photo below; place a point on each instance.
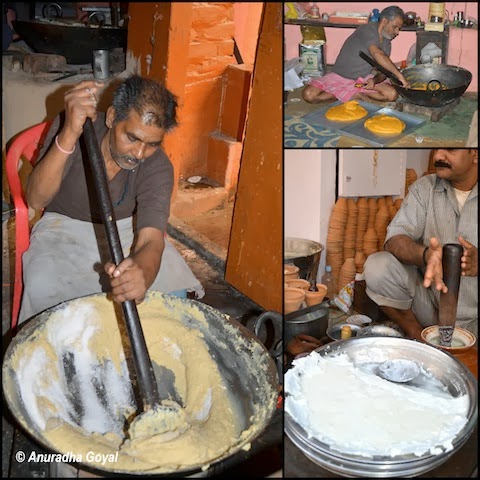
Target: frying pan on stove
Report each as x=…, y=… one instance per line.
x=453, y=80
x=437, y=85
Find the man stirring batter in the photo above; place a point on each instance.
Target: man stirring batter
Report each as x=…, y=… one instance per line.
x=405, y=280
x=374, y=38
x=68, y=255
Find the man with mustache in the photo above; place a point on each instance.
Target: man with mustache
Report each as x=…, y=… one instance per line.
x=350, y=69
x=69, y=255
x=405, y=280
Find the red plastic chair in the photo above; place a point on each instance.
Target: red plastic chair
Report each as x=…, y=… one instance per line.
x=26, y=145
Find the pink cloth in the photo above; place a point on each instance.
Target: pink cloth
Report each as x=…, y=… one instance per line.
x=343, y=88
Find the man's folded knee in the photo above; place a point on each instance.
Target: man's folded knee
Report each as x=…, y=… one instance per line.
x=376, y=267
x=393, y=95
x=309, y=93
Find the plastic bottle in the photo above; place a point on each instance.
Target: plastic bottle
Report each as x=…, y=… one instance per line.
x=329, y=280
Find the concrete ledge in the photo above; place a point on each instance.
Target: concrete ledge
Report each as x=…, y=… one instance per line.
x=211, y=252
x=223, y=163
x=189, y=203
x=43, y=62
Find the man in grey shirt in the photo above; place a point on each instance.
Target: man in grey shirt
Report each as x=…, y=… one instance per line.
x=406, y=279
x=350, y=69
x=68, y=256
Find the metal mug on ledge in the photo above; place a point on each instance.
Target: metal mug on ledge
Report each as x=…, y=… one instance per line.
x=101, y=64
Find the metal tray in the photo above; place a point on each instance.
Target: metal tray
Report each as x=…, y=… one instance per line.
x=318, y=116
x=359, y=132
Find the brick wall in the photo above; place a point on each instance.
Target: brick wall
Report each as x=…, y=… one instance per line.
x=192, y=49
x=210, y=51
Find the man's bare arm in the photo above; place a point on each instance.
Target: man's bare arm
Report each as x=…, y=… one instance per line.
x=412, y=253
x=384, y=61
x=406, y=250
x=46, y=178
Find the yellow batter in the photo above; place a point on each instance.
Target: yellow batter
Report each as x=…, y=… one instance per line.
x=208, y=427
x=347, y=112
x=424, y=86
x=385, y=125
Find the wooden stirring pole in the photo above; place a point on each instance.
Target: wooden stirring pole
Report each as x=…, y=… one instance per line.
x=447, y=312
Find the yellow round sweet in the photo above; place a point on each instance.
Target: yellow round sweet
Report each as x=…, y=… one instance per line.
x=347, y=112
x=385, y=125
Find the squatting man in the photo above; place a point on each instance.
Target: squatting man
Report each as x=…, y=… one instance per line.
x=406, y=279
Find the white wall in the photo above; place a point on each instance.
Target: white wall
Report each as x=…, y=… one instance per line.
x=309, y=191
x=27, y=101
x=371, y=172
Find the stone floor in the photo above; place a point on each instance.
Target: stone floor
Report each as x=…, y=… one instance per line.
x=206, y=258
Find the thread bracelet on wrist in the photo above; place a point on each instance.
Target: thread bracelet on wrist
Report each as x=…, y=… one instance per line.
x=68, y=152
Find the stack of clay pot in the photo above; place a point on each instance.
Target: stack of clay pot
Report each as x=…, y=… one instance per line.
x=362, y=222
x=297, y=283
x=293, y=299
x=350, y=229
x=335, y=236
x=290, y=271
x=410, y=177
x=359, y=260
x=382, y=219
x=391, y=207
x=347, y=273
x=356, y=230
x=370, y=239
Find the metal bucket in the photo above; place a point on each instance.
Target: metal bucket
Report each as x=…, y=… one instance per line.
x=248, y=374
x=305, y=254
x=312, y=321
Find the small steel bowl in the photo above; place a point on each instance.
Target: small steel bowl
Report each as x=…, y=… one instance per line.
x=465, y=339
x=379, y=331
x=335, y=331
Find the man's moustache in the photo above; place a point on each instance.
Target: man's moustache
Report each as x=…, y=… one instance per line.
x=439, y=163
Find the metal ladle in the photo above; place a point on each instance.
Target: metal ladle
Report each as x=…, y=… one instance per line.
x=434, y=86
x=398, y=370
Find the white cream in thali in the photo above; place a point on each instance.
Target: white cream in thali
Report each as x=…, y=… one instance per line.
x=353, y=411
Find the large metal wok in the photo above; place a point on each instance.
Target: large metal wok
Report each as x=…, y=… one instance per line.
x=248, y=374
x=70, y=38
x=430, y=85
x=452, y=83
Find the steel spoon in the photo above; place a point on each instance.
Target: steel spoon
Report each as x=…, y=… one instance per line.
x=398, y=370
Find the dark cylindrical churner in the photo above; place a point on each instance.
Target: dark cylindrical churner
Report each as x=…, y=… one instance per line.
x=447, y=314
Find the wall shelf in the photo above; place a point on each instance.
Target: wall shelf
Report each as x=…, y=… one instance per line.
x=323, y=23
